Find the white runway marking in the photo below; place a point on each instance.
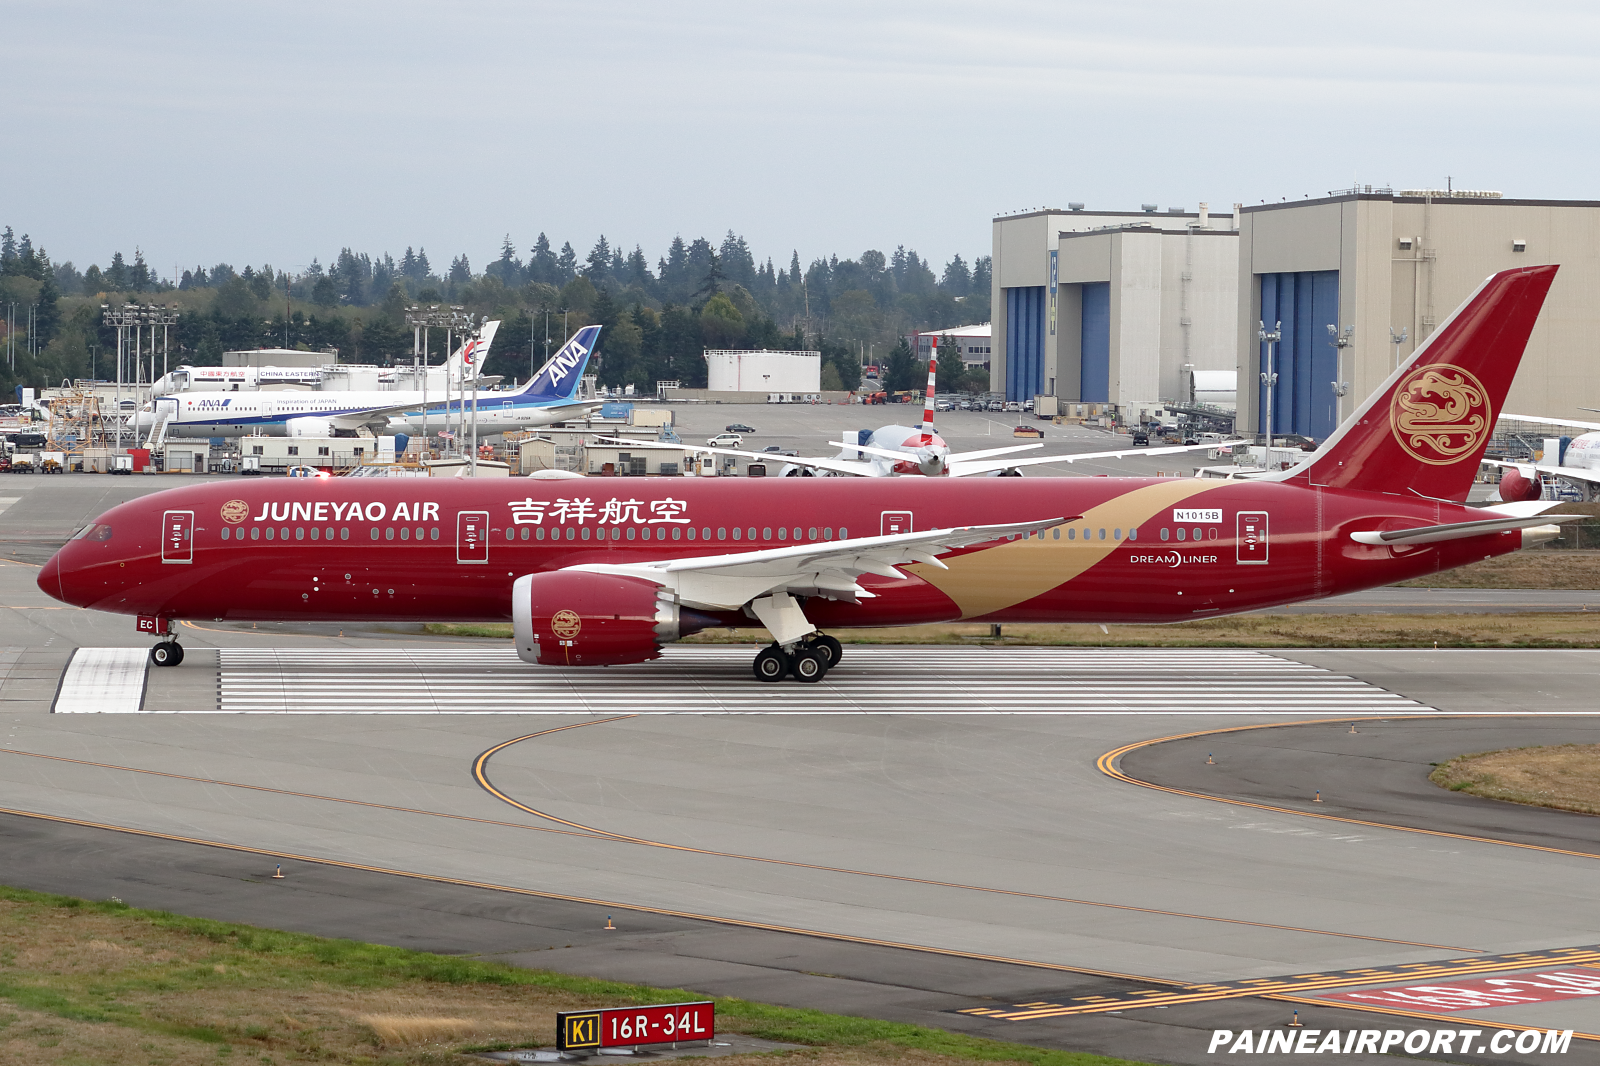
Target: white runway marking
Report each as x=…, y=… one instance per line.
x=103, y=681
x=869, y=680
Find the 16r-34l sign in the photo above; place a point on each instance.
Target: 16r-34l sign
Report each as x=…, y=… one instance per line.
x=663, y=1023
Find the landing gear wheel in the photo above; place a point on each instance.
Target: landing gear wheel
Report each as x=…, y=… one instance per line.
x=771, y=664
x=167, y=653
x=808, y=666
x=828, y=648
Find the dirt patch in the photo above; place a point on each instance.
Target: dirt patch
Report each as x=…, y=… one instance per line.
x=1565, y=777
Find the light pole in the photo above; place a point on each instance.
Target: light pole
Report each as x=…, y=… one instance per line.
x=1397, y=339
x=1340, y=342
x=1269, y=377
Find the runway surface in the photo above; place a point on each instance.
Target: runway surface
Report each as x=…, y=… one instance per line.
x=928, y=832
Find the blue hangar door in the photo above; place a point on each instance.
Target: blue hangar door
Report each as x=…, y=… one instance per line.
x=1094, y=375
x=1024, y=342
x=1307, y=362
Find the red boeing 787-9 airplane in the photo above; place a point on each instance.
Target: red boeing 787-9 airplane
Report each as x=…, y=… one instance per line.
x=594, y=572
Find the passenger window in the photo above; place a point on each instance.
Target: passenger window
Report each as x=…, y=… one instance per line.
x=1163, y=532
x=1056, y=533
x=511, y=533
x=271, y=532
x=344, y=532
x=1182, y=533
x=374, y=532
x=1072, y=532
x=766, y=532
x=327, y=534
x=405, y=534
x=737, y=533
x=1211, y=534
x=1102, y=533
x=255, y=532
x=722, y=533
x=585, y=532
x=313, y=532
x=630, y=533
x=705, y=533
x=538, y=534
x=677, y=533
x=571, y=535
x=1133, y=534
x=691, y=532
x=797, y=533
x=1116, y=534
x=388, y=534
x=844, y=534
x=225, y=533
x=1196, y=532
x=827, y=533
x=811, y=534
x=526, y=533
x=752, y=533
x=283, y=532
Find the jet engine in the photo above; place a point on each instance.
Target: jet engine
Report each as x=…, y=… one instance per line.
x=1514, y=488
x=574, y=618
x=307, y=427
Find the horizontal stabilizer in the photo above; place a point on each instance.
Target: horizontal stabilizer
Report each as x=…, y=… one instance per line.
x=1458, y=530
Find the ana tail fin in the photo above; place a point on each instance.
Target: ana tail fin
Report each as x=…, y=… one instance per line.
x=559, y=379
x=1425, y=429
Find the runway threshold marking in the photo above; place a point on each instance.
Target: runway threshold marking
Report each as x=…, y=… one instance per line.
x=481, y=775
x=1296, y=985
x=99, y=680
x=1107, y=765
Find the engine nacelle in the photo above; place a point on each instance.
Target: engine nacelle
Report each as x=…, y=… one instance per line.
x=573, y=618
x=1514, y=488
x=307, y=426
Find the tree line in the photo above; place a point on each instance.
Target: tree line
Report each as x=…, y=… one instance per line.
x=658, y=318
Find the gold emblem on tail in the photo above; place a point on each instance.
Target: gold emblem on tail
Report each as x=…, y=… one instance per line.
x=1440, y=414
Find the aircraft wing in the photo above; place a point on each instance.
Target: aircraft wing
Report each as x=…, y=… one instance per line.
x=1573, y=472
x=376, y=417
x=968, y=469
x=989, y=453
x=1591, y=426
x=823, y=568
x=837, y=466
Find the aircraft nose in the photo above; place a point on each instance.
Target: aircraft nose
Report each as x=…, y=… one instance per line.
x=50, y=578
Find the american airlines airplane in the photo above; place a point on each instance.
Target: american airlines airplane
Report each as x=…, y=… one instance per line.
x=891, y=451
x=550, y=396
x=593, y=571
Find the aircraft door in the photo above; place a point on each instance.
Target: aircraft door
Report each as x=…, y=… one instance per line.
x=472, y=536
x=177, y=537
x=896, y=522
x=1251, y=539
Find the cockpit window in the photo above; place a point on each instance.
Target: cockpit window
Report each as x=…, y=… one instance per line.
x=99, y=533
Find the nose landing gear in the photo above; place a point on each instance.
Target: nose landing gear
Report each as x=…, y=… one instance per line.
x=807, y=663
x=168, y=652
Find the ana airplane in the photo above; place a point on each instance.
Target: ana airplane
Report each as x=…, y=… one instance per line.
x=1576, y=459
x=550, y=396
x=891, y=451
x=595, y=572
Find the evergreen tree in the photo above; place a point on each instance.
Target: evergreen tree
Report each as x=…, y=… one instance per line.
x=674, y=269
x=737, y=263
x=542, y=266
x=117, y=276
x=639, y=270
x=566, y=264
x=900, y=368
x=957, y=280
x=508, y=268
x=461, y=270
x=139, y=277
x=598, y=265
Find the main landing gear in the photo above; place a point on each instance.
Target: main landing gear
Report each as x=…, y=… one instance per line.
x=807, y=662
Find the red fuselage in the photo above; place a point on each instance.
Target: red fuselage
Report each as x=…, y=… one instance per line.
x=1143, y=550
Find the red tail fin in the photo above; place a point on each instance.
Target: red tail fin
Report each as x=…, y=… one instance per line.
x=1426, y=428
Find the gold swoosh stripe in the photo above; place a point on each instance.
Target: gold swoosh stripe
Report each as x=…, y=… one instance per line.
x=1016, y=571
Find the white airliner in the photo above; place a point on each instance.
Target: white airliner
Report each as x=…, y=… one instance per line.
x=551, y=395
x=892, y=451
x=1578, y=461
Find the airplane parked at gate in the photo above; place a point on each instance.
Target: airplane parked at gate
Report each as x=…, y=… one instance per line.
x=1576, y=459
x=892, y=451
x=596, y=572
x=550, y=396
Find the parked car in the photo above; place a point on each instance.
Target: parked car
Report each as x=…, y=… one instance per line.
x=726, y=440
x=737, y=428
x=1140, y=437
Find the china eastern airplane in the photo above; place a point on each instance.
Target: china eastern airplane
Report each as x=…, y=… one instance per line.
x=595, y=571
x=893, y=451
x=550, y=396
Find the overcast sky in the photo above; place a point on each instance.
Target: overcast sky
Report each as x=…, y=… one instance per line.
x=278, y=132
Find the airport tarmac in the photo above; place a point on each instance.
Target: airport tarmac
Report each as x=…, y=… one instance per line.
x=893, y=858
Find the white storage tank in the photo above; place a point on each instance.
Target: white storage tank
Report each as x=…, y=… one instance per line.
x=763, y=371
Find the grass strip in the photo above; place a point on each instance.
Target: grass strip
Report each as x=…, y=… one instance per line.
x=1530, y=629
x=101, y=981
x=1565, y=777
